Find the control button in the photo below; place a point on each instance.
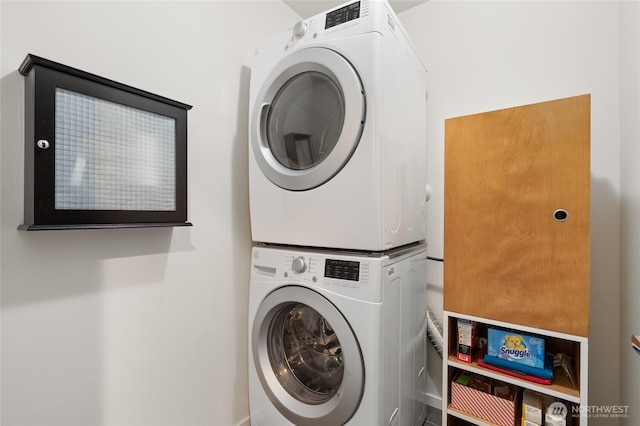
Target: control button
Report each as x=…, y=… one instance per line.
x=299, y=29
x=299, y=265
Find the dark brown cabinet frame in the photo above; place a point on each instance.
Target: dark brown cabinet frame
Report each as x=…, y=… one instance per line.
x=42, y=77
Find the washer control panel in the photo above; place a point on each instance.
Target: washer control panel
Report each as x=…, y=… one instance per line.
x=330, y=271
x=342, y=269
x=362, y=276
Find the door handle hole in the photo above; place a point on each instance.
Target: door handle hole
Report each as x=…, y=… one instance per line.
x=561, y=215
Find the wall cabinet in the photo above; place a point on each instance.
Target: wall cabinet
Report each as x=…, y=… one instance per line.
x=100, y=154
x=509, y=255
x=516, y=245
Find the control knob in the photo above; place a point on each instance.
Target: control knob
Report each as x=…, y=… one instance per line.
x=299, y=265
x=299, y=29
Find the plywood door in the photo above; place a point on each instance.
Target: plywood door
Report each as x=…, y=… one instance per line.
x=505, y=255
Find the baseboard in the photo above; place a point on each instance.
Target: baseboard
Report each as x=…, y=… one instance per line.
x=245, y=422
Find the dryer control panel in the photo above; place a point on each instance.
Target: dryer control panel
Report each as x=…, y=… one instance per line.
x=344, y=14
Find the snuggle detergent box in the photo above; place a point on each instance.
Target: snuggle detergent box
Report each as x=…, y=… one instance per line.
x=516, y=347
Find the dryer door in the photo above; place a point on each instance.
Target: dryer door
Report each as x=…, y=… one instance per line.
x=307, y=119
x=307, y=357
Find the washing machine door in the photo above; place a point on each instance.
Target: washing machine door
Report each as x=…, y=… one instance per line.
x=307, y=357
x=307, y=119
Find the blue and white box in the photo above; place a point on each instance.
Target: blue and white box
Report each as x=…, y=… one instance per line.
x=516, y=347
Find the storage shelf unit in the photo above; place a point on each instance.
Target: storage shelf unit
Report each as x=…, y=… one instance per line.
x=517, y=240
x=561, y=388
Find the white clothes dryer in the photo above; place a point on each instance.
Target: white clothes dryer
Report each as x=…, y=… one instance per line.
x=338, y=134
x=337, y=338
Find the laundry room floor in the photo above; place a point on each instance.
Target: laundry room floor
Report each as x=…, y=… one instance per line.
x=434, y=417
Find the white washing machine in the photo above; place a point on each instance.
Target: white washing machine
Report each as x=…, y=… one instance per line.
x=337, y=133
x=337, y=338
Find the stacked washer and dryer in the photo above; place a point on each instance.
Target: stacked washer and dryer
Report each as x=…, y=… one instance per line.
x=337, y=176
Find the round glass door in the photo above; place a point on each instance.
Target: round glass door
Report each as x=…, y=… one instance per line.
x=303, y=350
x=304, y=122
x=303, y=342
x=307, y=119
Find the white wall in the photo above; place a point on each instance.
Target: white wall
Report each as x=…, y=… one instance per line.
x=483, y=56
x=148, y=326
x=143, y=326
x=629, y=206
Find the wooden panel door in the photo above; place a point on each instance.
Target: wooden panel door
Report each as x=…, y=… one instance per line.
x=508, y=253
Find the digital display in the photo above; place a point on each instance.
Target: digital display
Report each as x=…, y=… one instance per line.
x=342, y=15
x=342, y=269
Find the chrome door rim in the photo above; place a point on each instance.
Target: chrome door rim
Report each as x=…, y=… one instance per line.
x=341, y=407
x=342, y=73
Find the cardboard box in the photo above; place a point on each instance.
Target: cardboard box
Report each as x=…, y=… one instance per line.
x=531, y=408
x=516, y=347
x=490, y=408
x=466, y=339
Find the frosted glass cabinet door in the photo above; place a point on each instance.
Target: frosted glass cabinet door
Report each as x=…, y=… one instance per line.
x=99, y=153
x=517, y=206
